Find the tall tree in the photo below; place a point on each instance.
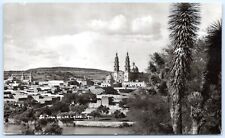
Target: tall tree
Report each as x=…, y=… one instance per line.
x=213, y=67
x=211, y=86
x=213, y=73
x=183, y=24
x=158, y=59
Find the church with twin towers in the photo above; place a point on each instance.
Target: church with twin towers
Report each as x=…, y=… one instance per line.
x=128, y=78
x=127, y=74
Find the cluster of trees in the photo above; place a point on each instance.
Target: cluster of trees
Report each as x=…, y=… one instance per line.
x=118, y=114
x=79, y=98
x=56, y=108
x=76, y=103
x=12, y=109
x=31, y=124
x=100, y=111
x=110, y=90
x=78, y=109
x=158, y=70
x=188, y=75
x=151, y=114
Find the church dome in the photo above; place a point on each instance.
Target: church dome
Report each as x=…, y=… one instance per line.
x=135, y=68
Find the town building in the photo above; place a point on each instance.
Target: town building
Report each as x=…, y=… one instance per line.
x=28, y=78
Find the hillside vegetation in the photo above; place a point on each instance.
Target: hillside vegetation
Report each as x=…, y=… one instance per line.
x=60, y=73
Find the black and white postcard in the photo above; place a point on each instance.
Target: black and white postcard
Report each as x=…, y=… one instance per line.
x=112, y=68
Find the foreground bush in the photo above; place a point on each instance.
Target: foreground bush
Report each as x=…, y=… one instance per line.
x=150, y=113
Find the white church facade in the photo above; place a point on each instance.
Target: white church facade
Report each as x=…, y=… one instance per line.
x=127, y=78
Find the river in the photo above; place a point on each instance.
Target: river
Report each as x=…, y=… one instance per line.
x=16, y=129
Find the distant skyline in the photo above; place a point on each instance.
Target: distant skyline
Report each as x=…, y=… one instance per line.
x=88, y=35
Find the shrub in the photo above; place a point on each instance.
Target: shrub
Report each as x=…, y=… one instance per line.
x=151, y=114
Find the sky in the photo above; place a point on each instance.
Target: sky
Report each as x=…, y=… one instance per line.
x=88, y=35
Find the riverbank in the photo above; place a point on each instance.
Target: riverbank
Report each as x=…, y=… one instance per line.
x=114, y=124
x=16, y=130
x=88, y=123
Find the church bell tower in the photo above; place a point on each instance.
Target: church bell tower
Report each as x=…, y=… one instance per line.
x=127, y=68
x=30, y=77
x=22, y=77
x=116, y=63
x=116, y=68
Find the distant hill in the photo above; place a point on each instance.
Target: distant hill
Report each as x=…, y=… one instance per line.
x=61, y=73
